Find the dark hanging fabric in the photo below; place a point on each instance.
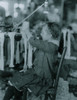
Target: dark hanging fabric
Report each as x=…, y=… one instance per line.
x=61, y=44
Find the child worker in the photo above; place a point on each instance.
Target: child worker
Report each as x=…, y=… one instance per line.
x=39, y=78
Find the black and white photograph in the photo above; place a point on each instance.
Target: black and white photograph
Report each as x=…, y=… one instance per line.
x=38, y=49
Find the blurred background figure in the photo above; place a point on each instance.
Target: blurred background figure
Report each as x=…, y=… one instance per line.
x=19, y=16
x=52, y=14
x=8, y=23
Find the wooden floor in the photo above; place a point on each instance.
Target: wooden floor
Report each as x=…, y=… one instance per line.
x=72, y=97
x=62, y=94
x=1, y=95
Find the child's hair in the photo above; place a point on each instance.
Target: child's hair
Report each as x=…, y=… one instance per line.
x=54, y=29
x=38, y=28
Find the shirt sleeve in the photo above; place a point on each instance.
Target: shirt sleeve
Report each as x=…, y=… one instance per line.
x=43, y=45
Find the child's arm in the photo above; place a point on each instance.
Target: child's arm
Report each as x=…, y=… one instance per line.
x=43, y=45
x=74, y=45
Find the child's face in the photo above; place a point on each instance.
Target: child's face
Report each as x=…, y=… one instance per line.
x=45, y=33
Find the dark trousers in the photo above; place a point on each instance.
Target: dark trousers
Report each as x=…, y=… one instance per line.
x=10, y=92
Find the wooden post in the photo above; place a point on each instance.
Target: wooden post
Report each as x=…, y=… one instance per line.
x=69, y=44
x=62, y=7
x=29, y=55
x=28, y=47
x=76, y=11
x=17, y=53
x=1, y=51
x=11, y=35
x=25, y=54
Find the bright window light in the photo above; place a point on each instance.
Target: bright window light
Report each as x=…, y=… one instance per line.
x=4, y=4
x=15, y=14
x=19, y=5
